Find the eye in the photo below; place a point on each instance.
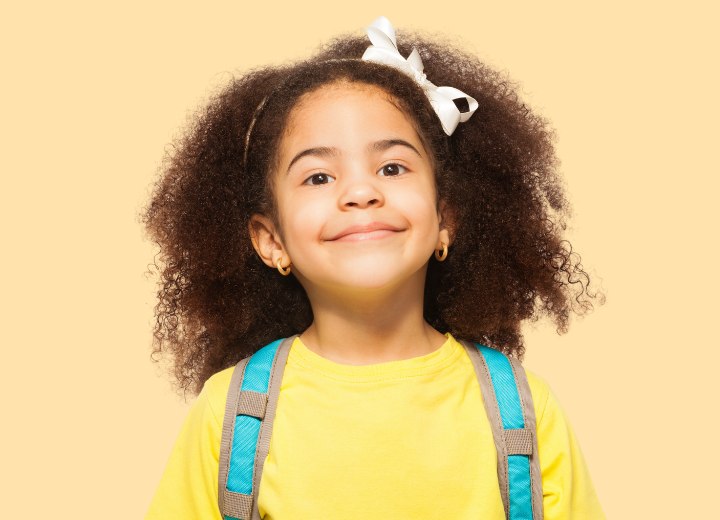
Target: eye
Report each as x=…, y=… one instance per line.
x=318, y=178
x=392, y=169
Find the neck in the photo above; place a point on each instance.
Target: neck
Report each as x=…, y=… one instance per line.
x=371, y=326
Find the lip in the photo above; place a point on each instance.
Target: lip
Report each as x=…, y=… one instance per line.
x=365, y=231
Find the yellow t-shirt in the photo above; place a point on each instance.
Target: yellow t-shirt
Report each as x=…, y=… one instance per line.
x=404, y=439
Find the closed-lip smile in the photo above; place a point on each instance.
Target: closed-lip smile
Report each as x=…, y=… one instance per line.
x=365, y=231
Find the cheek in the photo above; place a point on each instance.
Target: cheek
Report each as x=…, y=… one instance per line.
x=302, y=223
x=421, y=207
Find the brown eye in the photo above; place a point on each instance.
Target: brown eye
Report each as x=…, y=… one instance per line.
x=318, y=178
x=392, y=169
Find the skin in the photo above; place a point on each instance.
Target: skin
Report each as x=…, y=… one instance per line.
x=365, y=286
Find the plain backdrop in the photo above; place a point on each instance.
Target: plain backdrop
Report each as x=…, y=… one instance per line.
x=93, y=92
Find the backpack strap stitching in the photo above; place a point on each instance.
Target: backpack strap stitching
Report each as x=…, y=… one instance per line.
x=271, y=398
x=238, y=494
x=506, y=379
x=236, y=505
x=252, y=404
x=519, y=441
x=493, y=412
x=530, y=424
x=228, y=431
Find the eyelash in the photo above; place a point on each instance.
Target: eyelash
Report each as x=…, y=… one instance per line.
x=394, y=164
x=315, y=175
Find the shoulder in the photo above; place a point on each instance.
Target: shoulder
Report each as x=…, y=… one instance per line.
x=549, y=413
x=552, y=424
x=214, y=392
x=567, y=486
x=540, y=391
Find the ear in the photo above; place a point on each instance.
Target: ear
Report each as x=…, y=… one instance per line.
x=446, y=216
x=266, y=240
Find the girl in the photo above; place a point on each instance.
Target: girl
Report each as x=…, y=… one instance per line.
x=350, y=200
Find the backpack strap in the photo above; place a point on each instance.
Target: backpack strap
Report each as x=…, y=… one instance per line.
x=509, y=406
x=247, y=428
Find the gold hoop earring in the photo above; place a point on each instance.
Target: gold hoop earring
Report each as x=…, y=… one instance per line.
x=283, y=271
x=441, y=256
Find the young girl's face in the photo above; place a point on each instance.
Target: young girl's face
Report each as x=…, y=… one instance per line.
x=355, y=192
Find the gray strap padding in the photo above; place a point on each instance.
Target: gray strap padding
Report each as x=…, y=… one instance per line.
x=252, y=404
x=227, y=439
x=519, y=441
x=263, y=444
x=530, y=424
x=237, y=505
x=493, y=413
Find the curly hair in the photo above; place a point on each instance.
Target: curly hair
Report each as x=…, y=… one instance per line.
x=498, y=174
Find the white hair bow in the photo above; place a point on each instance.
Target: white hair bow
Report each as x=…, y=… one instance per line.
x=384, y=50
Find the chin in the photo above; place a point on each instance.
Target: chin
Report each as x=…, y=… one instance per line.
x=373, y=277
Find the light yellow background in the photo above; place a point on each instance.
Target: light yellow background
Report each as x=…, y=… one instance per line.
x=93, y=92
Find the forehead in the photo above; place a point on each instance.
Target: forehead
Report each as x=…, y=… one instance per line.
x=341, y=87
x=331, y=108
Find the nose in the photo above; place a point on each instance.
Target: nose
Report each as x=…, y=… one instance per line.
x=361, y=193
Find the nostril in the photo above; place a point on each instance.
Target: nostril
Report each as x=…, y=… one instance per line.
x=361, y=202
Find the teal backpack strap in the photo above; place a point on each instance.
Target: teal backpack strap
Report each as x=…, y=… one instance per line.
x=247, y=427
x=509, y=406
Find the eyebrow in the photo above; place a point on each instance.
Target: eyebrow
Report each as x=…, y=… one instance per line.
x=326, y=151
